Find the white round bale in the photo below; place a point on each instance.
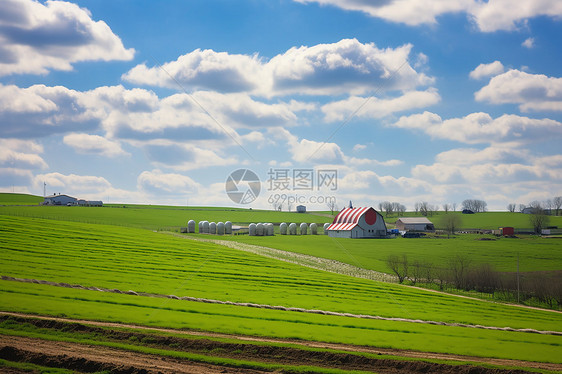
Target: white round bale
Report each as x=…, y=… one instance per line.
x=191, y=226
x=313, y=229
x=283, y=228
x=228, y=228
x=260, y=229
x=303, y=228
x=326, y=225
x=220, y=228
x=252, y=229
x=293, y=229
x=270, y=229
x=205, y=227
x=212, y=228
x=200, y=226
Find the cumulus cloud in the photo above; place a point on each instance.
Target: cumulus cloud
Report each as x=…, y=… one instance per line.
x=530, y=91
x=487, y=70
x=378, y=108
x=21, y=154
x=36, y=37
x=529, y=43
x=359, y=147
x=478, y=128
x=73, y=183
x=11, y=178
x=323, y=69
x=94, y=144
x=488, y=16
x=156, y=181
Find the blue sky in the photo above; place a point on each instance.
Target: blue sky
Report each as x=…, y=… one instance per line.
x=158, y=102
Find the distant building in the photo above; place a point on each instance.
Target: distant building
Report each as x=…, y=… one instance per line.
x=358, y=223
x=414, y=224
x=301, y=209
x=467, y=211
x=531, y=210
x=60, y=200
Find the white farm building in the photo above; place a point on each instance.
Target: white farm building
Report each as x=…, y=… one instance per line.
x=358, y=223
x=414, y=224
x=60, y=200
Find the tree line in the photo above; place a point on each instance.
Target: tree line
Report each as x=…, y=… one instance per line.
x=461, y=274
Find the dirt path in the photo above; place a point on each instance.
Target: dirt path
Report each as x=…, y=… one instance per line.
x=340, y=347
x=89, y=358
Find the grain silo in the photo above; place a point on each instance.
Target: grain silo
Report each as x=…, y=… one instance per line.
x=212, y=228
x=283, y=228
x=220, y=228
x=313, y=229
x=293, y=229
x=303, y=228
x=191, y=226
x=205, y=227
x=228, y=228
x=326, y=225
x=252, y=229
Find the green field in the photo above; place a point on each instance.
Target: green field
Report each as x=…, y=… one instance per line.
x=142, y=260
x=19, y=199
x=112, y=248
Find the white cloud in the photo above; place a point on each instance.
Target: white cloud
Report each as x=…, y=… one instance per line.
x=481, y=128
x=509, y=15
x=94, y=144
x=488, y=16
x=378, y=108
x=21, y=154
x=530, y=91
x=410, y=12
x=529, y=43
x=15, y=179
x=202, y=69
x=36, y=37
x=487, y=70
x=73, y=184
x=359, y=147
x=323, y=69
x=156, y=182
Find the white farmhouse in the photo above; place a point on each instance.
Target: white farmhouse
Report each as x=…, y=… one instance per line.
x=60, y=200
x=414, y=224
x=358, y=223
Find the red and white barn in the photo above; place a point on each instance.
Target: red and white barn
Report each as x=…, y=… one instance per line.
x=358, y=223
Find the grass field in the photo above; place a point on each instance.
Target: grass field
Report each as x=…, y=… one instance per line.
x=141, y=260
x=19, y=199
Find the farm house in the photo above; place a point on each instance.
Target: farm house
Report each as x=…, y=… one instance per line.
x=358, y=223
x=414, y=224
x=59, y=200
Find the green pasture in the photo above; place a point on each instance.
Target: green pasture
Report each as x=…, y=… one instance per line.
x=262, y=322
x=19, y=199
x=145, y=261
x=154, y=217
x=535, y=254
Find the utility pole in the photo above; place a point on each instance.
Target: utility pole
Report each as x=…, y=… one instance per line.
x=44, y=189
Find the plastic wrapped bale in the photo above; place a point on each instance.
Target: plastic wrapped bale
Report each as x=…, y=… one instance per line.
x=313, y=229
x=212, y=228
x=326, y=225
x=220, y=228
x=303, y=228
x=191, y=226
x=283, y=228
x=252, y=229
x=293, y=229
x=205, y=227
x=228, y=228
x=270, y=229
x=200, y=227
x=260, y=229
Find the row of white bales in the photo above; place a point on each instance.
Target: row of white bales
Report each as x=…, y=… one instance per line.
x=255, y=229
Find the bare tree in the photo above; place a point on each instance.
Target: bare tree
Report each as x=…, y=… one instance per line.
x=557, y=204
x=399, y=265
x=521, y=207
x=511, y=207
x=538, y=217
x=290, y=206
x=446, y=207
x=454, y=207
x=475, y=205
x=417, y=207
x=388, y=207
x=451, y=222
x=331, y=205
x=459, y=266
x=423, y=208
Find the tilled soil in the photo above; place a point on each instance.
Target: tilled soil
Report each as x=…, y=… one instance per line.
x=87, y=358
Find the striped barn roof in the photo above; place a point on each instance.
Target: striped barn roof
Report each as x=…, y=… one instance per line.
x=347, y=219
